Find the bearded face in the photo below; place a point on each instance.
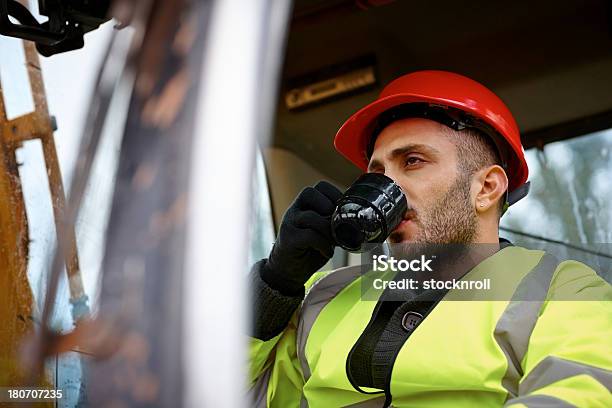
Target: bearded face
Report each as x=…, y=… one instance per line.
x=423, y=160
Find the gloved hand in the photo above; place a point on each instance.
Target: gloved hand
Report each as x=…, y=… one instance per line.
x=304, y=243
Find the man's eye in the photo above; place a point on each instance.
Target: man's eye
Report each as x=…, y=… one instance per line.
x=412, y=160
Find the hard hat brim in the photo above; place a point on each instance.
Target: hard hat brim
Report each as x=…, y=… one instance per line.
x=353, y=137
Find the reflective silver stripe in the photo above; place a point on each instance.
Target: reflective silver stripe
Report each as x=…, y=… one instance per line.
x=258, y=394
x=320, y=294
x=516, y=323
x=540, y=401
x=552, y=369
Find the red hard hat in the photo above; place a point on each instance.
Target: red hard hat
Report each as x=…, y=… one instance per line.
x=441, y=91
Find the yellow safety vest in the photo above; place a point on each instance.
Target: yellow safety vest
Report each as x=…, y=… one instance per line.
x=554, y=349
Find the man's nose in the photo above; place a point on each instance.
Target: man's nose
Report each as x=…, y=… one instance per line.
x=395, y=175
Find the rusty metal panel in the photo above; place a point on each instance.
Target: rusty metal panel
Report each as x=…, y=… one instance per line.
x=15, y=292
x=16, y=308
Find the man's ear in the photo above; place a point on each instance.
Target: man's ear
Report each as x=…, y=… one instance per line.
x=491, y=185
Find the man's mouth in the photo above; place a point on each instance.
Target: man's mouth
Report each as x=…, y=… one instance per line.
x=409, y=216
x=401, y=224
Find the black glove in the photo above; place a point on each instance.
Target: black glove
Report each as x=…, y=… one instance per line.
x=304, y=243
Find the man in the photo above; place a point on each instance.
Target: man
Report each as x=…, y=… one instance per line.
x=454, y=149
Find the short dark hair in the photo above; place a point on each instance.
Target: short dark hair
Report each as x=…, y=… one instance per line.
x=475, y=151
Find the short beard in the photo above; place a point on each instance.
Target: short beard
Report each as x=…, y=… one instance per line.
x=451, y=220
x=447, y=228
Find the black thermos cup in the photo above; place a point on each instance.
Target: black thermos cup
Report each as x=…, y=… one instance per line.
x=367, y=212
